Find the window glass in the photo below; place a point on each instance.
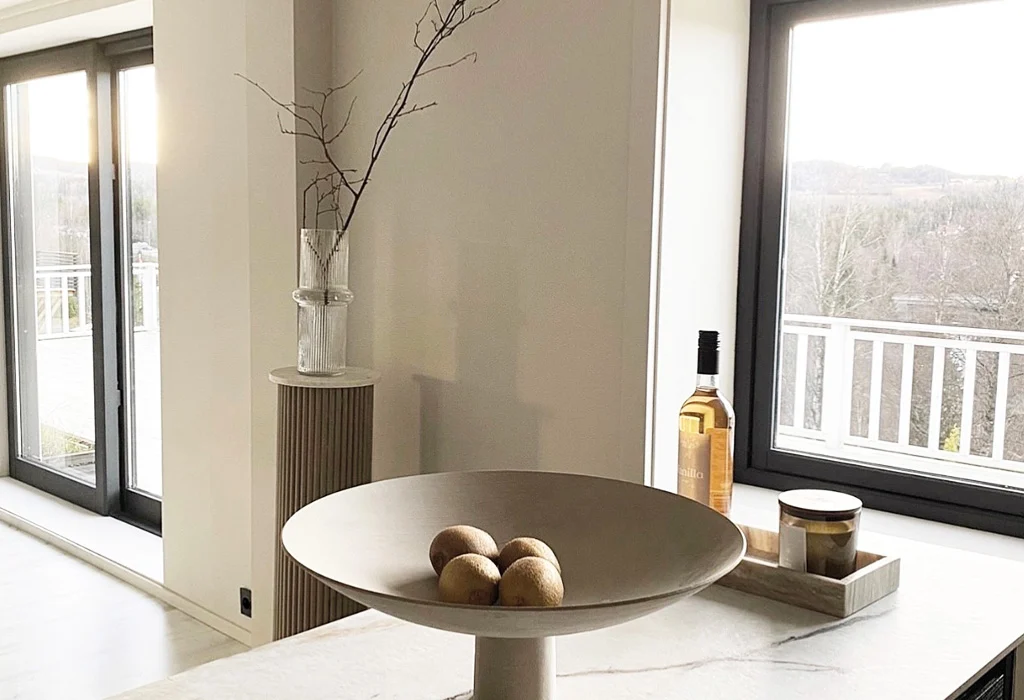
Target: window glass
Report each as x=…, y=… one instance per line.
x=901, y=338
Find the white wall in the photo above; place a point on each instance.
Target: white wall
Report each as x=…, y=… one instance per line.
x=309, y=50
x=227, y=225
x=704, y=133
x=501, y=260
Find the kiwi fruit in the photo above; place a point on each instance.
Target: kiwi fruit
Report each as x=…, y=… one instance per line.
x=520, y=547
x=469, y=579
x=458, y=540
x=531, y=582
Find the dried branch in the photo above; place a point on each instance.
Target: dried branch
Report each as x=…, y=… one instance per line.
x=417, y=108
x=471, y=56
x=325, y=192
x=443, y=27
x=348, y=118
x=314, y=184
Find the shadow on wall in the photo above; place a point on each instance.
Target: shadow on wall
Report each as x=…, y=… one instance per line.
x=477, y=421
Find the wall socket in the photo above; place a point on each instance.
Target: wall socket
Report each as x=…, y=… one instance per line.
x=245, y=601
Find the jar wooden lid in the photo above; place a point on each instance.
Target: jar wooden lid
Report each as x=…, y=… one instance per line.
x=815, y=504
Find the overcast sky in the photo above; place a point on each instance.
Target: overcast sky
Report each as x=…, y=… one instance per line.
x=939, y=86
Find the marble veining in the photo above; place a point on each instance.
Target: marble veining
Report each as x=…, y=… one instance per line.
x=699, y=663
x=859, y=619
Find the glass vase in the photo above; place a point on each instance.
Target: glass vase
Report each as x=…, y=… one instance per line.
x=323, y=297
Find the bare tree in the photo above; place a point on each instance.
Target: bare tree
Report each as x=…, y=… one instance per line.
x=950, y=253
x=992, y=278
x=838, y=262
x=838, y=265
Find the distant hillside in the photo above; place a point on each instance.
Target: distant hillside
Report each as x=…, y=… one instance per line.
x=823, y=176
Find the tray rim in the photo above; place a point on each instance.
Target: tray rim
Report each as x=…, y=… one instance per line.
x=760, y=566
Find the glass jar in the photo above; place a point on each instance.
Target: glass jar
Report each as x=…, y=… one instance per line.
x=818, y=532
x=323, y=297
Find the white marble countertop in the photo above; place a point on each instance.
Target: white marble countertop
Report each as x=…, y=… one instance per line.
x=955, y=615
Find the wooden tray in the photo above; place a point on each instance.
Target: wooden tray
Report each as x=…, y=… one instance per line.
x=759, y=573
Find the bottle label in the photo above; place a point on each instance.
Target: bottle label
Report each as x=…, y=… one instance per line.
x=695, y=467
x=792, y=547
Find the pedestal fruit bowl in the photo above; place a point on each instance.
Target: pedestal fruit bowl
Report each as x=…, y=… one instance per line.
x=625, y=551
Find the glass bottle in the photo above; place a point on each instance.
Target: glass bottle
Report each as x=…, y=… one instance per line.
x=706, y=434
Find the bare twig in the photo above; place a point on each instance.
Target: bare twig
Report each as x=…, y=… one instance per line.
x=443, y=26
x=471, y=56
x=314, y=184
x=312, y=123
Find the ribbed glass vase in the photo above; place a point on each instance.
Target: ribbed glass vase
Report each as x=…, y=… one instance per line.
x=323, y=297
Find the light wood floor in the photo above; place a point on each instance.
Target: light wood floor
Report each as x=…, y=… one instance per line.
x=69, y=631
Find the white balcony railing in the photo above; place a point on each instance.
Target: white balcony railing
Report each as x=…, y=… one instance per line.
x=64, y=299
x=836, y=387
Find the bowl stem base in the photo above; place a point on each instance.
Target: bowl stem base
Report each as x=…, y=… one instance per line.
x=514, y=669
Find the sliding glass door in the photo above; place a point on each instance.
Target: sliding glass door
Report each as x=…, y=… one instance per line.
x=48, y=164
x=81, y=275
x=139, y=252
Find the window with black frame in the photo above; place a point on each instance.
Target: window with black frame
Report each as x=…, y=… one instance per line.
x=882, y=256
x=81, y=273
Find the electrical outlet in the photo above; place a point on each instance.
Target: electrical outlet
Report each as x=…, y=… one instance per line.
x=245, y=601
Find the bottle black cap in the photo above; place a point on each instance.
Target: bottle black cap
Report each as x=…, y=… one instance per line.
x=707, y=352
x=708, y=340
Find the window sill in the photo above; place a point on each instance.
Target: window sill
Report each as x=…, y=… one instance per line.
x=104, y=542
x=758, y=507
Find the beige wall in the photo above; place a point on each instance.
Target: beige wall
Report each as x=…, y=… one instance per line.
x=501, y=261
x=309, y=50
x=227, y=220
x=704, y=132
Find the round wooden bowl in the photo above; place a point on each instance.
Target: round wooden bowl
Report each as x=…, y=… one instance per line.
x=625, y=550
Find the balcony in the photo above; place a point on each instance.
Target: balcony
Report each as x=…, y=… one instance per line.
x=941, y=400
x=66, y=430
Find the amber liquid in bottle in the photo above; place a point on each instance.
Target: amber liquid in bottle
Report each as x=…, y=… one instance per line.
x=706, y=435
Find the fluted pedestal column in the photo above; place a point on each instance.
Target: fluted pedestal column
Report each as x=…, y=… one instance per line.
x=324, y=445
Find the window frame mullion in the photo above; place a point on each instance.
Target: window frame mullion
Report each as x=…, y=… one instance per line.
x=103, y=236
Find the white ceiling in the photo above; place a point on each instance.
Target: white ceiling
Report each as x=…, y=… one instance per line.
x=16, y=14
x=15, y=7
x=30, y=25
